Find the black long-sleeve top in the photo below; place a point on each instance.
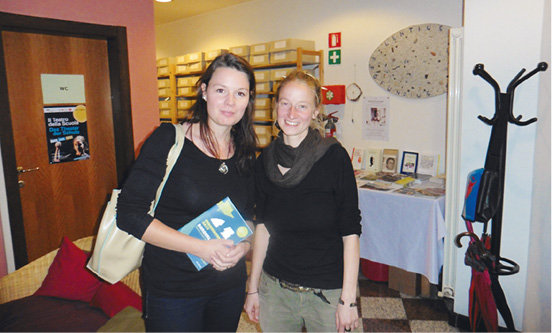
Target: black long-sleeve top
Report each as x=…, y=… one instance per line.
x=307, y=222
x=195, y=184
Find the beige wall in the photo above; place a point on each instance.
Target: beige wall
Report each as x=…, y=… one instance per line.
x=416, y=124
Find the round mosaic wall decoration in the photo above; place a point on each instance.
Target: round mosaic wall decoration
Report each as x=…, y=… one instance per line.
x=413, y=62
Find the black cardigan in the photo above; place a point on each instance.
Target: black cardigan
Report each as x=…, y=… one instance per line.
x=195, y=184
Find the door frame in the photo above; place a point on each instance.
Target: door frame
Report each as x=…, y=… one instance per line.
x=120, y=102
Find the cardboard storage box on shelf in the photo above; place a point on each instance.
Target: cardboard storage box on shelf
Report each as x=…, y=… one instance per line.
x=262, y=115
x=163, y=83
x=164, y=105
x=260, y=48
x=242, y=50
x=186, y=91
x=164, y=92
x=259, y=59
x=262, y=75
x=290, y=44
x=187, y=81
x=163, y=71
x=190, y=68
x=278, y=74
x=263, y=103
x=181, y=69
x=189, y=58
x=291, y=56
x=184, y=103
x=264, y=134
x=196, y=67
x=263, y=87
x=211, y=55
x=163, y=62
x=408, y=283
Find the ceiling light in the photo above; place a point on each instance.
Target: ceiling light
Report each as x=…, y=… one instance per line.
x=163, y=0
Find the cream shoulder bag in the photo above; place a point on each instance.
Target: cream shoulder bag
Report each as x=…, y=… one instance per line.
x=116, y=252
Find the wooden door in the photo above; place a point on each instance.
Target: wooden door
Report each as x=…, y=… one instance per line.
x=61, y=199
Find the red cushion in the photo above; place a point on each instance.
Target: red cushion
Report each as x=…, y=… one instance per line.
x=112, y=298
x=68, y=277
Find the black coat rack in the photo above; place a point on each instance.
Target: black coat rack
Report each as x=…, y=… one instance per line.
x=488, y=205
x=495, y=162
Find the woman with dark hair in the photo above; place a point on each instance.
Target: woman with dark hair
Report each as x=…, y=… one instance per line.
x=216, y=161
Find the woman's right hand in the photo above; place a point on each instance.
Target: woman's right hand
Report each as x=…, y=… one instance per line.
x=213, y=249
x=251, y=306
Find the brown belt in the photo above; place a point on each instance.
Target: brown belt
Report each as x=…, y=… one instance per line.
x=298, y=288
x=290, y=286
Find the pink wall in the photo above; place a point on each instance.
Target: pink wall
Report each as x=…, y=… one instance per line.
x=137, y=17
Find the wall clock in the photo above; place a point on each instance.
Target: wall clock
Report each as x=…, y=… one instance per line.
x=413, y=62
x=353, y=92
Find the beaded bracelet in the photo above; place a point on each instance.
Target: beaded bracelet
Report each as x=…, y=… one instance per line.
x=352, y=305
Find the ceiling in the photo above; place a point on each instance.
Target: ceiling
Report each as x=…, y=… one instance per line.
x=179, y=9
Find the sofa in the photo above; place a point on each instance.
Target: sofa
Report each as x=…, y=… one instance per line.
x=57, y=293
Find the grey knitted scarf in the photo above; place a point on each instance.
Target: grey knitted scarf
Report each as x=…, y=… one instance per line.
x=299, y=160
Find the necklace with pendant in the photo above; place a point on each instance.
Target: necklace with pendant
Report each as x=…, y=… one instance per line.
x=223, y=168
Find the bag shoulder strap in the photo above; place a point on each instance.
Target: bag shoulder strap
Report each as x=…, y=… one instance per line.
x=173, y=155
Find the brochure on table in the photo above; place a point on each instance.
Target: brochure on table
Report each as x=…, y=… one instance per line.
x=413, y=184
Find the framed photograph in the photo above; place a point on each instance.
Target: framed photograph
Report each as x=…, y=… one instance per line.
x=409, y=162
x=389, y=160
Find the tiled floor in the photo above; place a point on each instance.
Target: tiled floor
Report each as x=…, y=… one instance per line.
x=385, y=310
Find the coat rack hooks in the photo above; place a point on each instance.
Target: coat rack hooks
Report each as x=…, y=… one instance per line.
x=505, y=101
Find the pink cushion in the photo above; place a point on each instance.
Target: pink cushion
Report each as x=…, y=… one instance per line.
x=68, y=277
x=112, y=298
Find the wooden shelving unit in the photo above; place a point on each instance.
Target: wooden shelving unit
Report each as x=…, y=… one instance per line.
x=181, y=96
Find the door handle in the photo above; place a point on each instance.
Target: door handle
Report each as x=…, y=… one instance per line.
x=21, y=170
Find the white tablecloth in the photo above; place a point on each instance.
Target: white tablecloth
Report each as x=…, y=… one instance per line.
x=403, y=231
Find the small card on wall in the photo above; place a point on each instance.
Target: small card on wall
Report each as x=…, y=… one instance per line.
x=372, y=160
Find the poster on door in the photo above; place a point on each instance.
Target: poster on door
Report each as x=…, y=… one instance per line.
x=66, y=133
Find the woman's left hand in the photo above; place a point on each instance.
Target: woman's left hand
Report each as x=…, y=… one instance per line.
x=346, y=318
x=229, y=259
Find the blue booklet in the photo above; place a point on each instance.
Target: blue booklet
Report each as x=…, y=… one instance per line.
x=222, y=221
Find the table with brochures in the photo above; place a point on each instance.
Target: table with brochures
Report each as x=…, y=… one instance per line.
x=405, y=231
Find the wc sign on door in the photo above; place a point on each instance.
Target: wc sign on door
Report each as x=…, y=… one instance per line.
x=334, y=39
